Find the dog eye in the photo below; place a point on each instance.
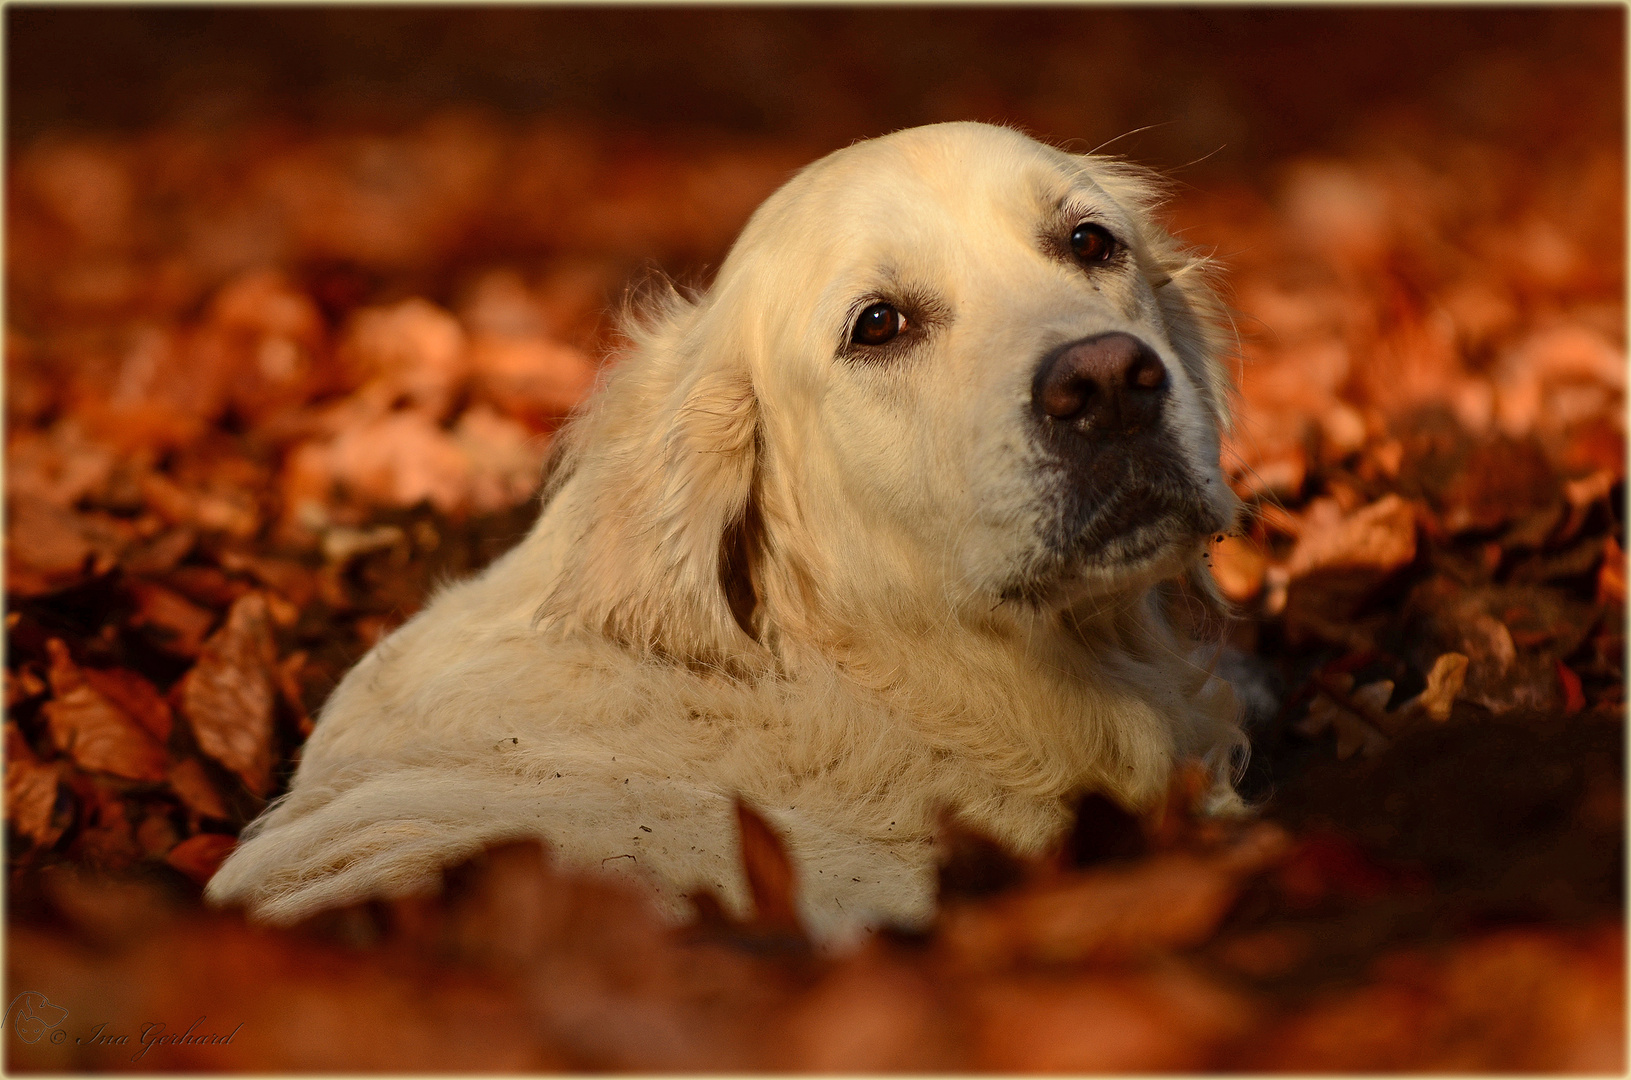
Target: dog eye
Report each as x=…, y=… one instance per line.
x=1092, y=243
x=878, y=325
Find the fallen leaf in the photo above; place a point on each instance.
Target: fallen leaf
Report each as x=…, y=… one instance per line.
x=1519, y=1000
x=1355, y=731
x=397, y=460
x=412, y=349
x=46, y=548
x=199, y=857
x=288, y=687
x=1444, y=682
x=106, y=840
x=874, y=1014
x=1486, y=624
x=1611, y=578
x=1167, y=1019
x=181, y=625
x=1168, y=901
x=92, y=730
x=161, y=554
x=532, y=379
x=31, y=791
x=1323, y=864
x=156, y=834
x=227, y=696
x=137, y=697
x=771, y=878
x=971, y=863
x=197, y=793
x=1574, y=697
x=1238, y=566
x=1380, y=537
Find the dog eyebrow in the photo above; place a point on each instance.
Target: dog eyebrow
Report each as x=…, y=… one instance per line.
x=1075, y=207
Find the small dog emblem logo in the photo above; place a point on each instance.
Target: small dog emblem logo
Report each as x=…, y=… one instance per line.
x=31, y=1015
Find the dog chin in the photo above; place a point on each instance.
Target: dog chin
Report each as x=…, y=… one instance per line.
x=1157, y=548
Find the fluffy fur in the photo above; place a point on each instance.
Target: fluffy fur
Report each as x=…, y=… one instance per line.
x=851, y=587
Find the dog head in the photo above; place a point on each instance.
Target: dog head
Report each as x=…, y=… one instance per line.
x=940, y=373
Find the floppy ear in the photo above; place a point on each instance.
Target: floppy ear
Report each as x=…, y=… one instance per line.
x=655, y=491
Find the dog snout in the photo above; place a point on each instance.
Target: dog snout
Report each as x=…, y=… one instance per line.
x=1106, y=384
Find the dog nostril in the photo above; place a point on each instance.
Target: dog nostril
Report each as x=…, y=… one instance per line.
x=1109, y=382
x=1148, y=373
x=1064, y=398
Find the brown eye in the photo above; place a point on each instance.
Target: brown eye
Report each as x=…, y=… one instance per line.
x=877, y=325
x=1092, y=243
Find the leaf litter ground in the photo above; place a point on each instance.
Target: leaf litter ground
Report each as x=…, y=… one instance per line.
x=260, y=403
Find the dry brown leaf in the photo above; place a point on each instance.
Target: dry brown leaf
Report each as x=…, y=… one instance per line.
x=412, y=349
x=1353, y=720
x=1380, y=537
x=199, y=857
x=872, y=1014
x=1510, y=634
x=1521, y=1000
x=1166, y=1019
x=1574, y=696
x=22, y=684
x=156, y=834
x=1238, y=566
x=288, y=687
x=106, y=839
x=227, y=696
x=771, y=878
x=1168, y=901
x=530, y=378
x=194, y=788
x=293, y=580
x=1500, y=480
x=94, y=731
x=44, y=544
x=397, y=460
x=31, y=791
x=59, y=466
x=1611, y=578
x=505, y=460
x=231, y=512
x=1444, y=683
x=137, y=697
x=180, y=624
x=160, y=555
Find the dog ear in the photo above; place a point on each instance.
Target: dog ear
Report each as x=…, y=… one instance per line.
x=655, y=490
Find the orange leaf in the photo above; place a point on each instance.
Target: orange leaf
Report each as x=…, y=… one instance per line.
x=31, y=791
x=770, y=873
x=94, y=731
x=227, y=696
x=137, y=697
x=1611, y=578
x=1574, y=696
x=199, y=857
x=193, y=787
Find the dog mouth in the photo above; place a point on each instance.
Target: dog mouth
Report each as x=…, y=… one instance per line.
x=1134, y=525
x=1111, y=532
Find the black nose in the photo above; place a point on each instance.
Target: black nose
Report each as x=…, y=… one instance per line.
x=1105, y=384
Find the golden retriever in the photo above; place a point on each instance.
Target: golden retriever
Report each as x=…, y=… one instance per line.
x=882, y=523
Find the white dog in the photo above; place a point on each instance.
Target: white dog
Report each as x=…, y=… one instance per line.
x=876, y=526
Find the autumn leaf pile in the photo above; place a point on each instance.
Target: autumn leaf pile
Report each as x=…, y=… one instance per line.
x=266, y=387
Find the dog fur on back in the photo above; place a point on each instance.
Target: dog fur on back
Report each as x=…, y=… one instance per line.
x=851, y=582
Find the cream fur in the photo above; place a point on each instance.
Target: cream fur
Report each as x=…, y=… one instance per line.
x=594, y=687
